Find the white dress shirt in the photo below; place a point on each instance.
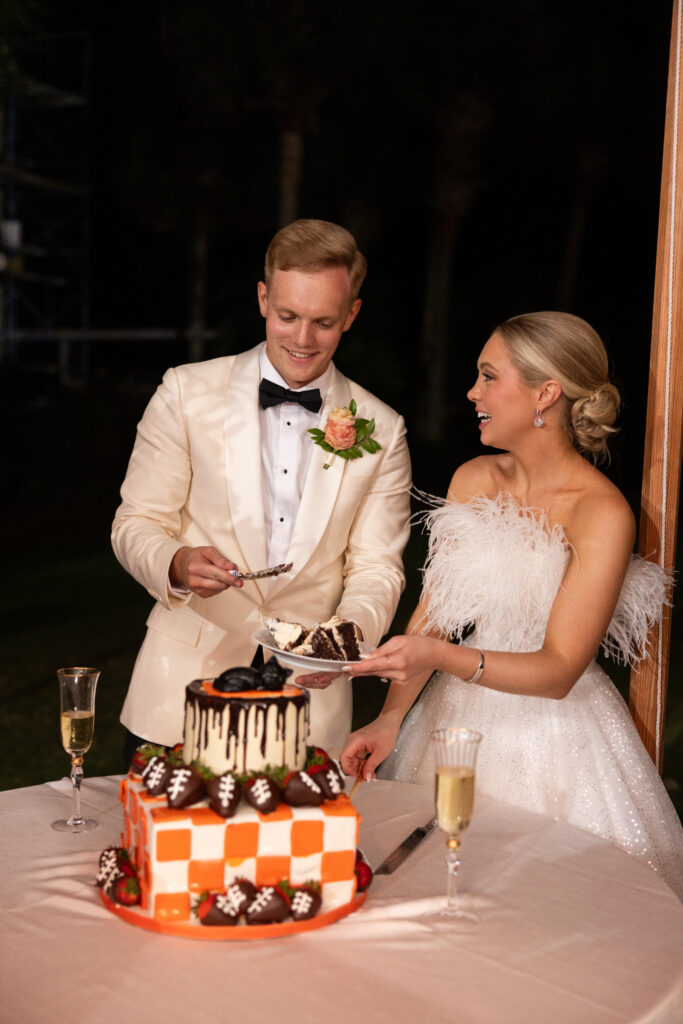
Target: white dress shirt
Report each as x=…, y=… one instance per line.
x=286, y=451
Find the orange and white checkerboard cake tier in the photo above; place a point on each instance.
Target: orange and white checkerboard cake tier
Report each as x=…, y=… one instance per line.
x=181, y=853
x=239, y=732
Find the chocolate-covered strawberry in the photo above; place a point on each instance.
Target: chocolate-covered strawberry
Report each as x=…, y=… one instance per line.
x=241, y=893
x=225, y=793
x=263, y=793
x=108, y=867
x=215, y=909
x=269, y=906
x=185, y=786
x=328, y=778
x=305, y=902
x=156, y=774
x=302, y=790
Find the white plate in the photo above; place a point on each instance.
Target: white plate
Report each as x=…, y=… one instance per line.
x=265, y=638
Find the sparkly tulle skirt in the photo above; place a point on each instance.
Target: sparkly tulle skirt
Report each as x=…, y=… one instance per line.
x=579, y=759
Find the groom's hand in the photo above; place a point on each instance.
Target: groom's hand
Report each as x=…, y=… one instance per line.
x=204, y=571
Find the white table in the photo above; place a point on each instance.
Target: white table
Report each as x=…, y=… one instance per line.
x=573, y=931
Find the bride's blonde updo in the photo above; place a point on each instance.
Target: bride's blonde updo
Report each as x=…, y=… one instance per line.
x=562, y=347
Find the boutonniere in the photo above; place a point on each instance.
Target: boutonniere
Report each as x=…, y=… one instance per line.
x=346, y=434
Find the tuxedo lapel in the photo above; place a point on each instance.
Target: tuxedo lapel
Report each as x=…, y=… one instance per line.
x=243, y=459
x=321, y=487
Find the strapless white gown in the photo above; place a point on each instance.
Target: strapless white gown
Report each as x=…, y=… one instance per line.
x=498, y=567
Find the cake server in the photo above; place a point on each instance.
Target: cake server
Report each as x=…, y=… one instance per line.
x=262, y=574
x=405, y=848
x=359, y=776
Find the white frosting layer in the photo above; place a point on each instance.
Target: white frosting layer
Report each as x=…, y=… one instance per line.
x=246, y=733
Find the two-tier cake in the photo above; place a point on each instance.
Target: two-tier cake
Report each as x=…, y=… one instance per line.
x=245, y=825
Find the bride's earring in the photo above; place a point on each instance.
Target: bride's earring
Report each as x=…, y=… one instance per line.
x=538, y=419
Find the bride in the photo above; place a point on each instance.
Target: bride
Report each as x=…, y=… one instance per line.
x=532, y=548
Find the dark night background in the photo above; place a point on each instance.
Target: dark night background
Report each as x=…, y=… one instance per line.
x=491, y=158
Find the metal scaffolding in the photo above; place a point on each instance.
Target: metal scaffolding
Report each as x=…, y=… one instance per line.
x=44, y=205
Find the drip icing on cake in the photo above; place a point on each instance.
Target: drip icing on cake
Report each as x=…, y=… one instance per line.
x=248, y=730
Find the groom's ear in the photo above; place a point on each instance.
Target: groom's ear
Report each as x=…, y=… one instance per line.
x=352, y=314
x=262, y=293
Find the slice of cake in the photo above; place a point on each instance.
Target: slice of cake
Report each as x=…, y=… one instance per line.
x=336, y=639
x=287, y=635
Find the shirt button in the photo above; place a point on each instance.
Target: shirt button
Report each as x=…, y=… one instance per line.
x=282, y=519
x=289, y=423
x=284, y=470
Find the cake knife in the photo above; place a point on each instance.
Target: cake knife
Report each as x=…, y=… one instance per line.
x=405, y=848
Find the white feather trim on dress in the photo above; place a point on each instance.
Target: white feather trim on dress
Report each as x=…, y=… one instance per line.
x=477, y=548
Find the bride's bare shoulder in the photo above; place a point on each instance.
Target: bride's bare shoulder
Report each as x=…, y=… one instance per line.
x=478, y=476
x=600, y=511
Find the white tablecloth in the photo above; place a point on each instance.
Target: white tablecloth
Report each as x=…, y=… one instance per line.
x=573, y=931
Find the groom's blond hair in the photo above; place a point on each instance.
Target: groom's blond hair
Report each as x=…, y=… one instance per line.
x=316, y=245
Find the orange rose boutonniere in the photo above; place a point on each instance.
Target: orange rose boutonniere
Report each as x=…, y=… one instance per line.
x=346, y=434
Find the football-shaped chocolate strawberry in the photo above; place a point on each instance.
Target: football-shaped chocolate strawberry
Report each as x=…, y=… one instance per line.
x=108, y=867
x=126, y=891
x=225, y=794
x=269, y=906
x=185, y=786
x=363, y=872
x=156, y=774
x=263, y=793
x=302, y=790
x=242, y=893
x=329, y=778
x=215, y=909
x=305, y=902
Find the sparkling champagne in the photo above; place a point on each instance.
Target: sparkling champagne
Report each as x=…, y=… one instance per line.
x=77, y=731
x=454, y=798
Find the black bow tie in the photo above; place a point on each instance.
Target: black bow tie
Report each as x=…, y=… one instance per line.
x=273, y=394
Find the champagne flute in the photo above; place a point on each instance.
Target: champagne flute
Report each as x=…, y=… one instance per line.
x=456, y=756
x=77, y=723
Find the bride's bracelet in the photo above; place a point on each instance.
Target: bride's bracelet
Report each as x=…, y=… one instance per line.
x=480, y=669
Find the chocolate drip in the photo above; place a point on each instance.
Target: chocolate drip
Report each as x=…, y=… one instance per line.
x=203, y=703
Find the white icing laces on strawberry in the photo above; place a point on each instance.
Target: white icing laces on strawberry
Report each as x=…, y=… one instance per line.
x=263, y=793
x=270, y=906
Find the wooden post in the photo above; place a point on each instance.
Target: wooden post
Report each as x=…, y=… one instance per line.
x=662, y=465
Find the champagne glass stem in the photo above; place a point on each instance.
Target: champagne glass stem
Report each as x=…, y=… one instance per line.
x=76, y=779
x=452, y=865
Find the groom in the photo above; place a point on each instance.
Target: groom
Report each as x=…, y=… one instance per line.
x=225, y=476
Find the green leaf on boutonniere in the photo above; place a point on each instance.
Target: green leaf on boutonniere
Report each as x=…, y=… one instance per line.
x=319, y=438
x=353, y=408
x=364, y=428
x=370, y=445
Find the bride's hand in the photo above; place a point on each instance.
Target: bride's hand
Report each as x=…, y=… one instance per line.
x=400, y=658
x=374, y=742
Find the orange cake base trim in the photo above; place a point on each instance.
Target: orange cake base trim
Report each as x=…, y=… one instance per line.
x=237, y=932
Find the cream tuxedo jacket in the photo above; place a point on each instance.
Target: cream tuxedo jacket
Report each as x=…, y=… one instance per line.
x=194, y=478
